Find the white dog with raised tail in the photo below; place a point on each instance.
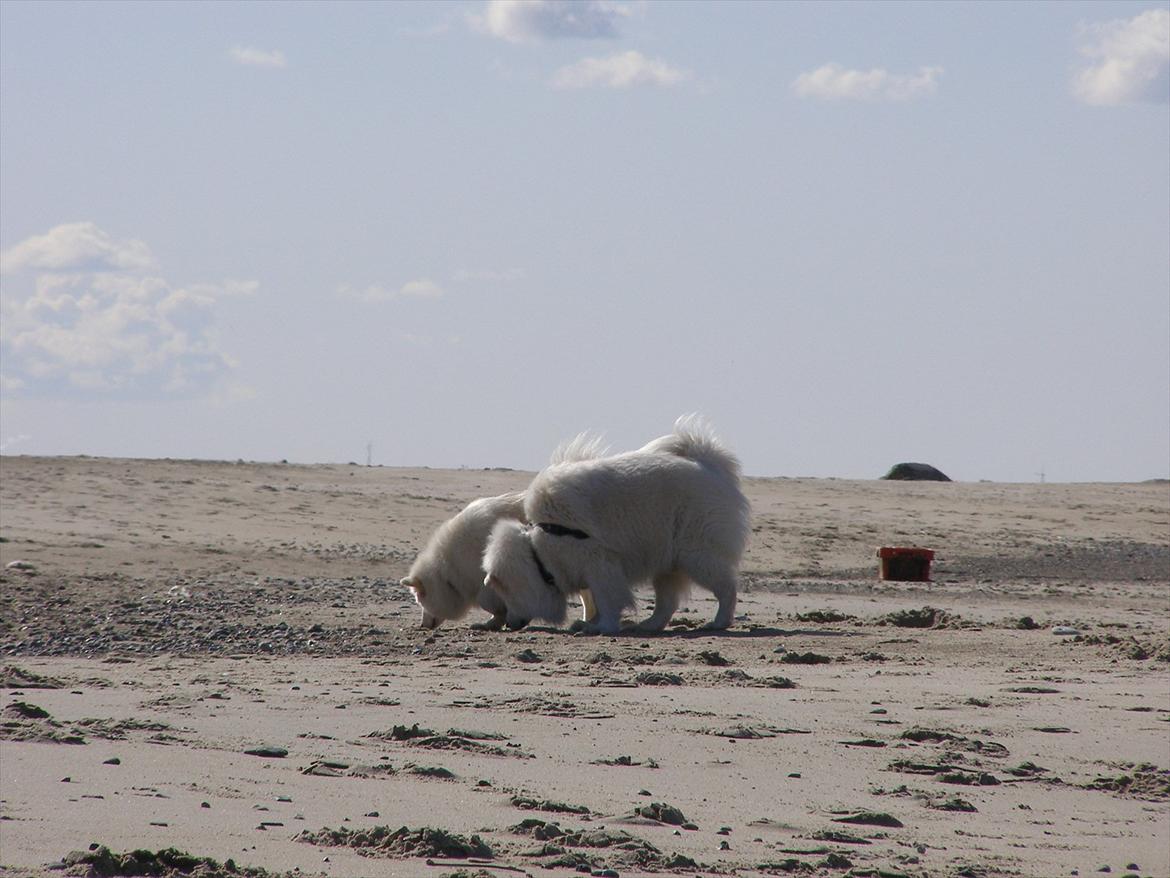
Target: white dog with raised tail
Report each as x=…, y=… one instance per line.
x=671, y=513
x=447, y=577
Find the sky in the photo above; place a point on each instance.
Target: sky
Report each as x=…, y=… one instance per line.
x=456, y=234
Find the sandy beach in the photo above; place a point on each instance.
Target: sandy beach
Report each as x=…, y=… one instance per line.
x=217, y=658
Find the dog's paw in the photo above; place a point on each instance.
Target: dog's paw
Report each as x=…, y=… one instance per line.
x=591, y=629
x=714, y=626
x=495, y=623
x=648, y=627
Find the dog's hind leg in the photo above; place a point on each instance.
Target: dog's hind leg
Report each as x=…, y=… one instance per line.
x=718, y=577
x=669, y=589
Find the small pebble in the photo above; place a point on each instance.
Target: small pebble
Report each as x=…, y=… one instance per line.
x=795, y=774
x=724, y=846
x=114, y=760
x=204, y=804
x=372, y=814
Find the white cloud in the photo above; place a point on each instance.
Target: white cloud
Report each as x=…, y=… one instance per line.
x=82, y=312
x=9, y=442
x=834, y=82
x=76, y=247
x=521, y=21
x=1132, y=61
x=620, y=70
x=250, y=56
x=423, y=288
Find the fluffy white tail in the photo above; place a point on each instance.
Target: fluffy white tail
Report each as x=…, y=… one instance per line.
x=694, y=438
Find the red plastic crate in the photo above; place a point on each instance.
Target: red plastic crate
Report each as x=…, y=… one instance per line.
x=905, y=563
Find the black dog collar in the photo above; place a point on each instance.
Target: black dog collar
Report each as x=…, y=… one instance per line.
x=559, y=530
x=544, y=574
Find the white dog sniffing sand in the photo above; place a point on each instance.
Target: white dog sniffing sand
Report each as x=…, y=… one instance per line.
x=671, y=512
x=447, y=578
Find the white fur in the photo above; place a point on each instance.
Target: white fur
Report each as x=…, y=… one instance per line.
x=447, y=577
x=583, y=446
x=671, y=513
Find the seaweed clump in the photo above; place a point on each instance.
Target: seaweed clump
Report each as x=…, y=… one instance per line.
x=381, y=841
x=927, y=617
x=101, y=862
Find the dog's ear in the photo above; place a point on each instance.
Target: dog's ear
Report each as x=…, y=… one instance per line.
x=413, y=584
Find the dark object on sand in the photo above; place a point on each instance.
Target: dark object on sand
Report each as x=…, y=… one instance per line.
x=805, y=658
x=267, y=752
x=905, y=564
x=927, y=617
x=915, y=472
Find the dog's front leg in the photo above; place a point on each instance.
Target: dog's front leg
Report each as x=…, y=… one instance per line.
x=609, y=597
x=495, y=623
x=491, y=602
x=588, y=621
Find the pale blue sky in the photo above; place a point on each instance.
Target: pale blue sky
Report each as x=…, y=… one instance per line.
x=850, y=234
